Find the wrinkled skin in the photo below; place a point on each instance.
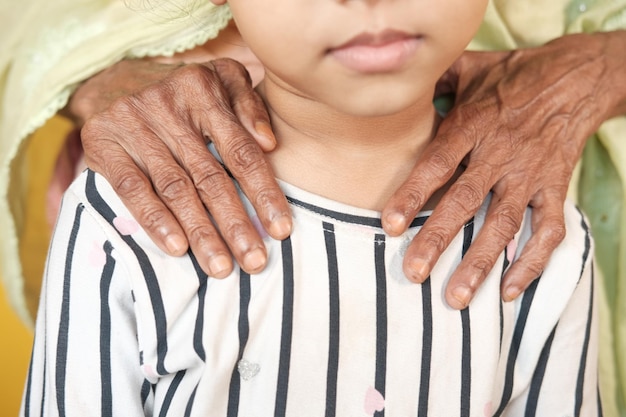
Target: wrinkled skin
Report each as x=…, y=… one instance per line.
x=148, y=138
x=519, y=125
x=518, y=128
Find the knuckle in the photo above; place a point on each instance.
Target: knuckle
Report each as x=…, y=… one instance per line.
x=126, y=182
x=245, y=155
x=412, y=198
x=105, y=161
x=534, y=267
x=121, y=109
x=469, y=119
x=508, y=220
x=554, y=231
x=235, y=228
x=172, y=185
x=199, y=82
x=89, y=131
x=96, y=130
x=90, y=136
x=157, y=95
x=237, y=233
x=246, y=101
x=211, y=180
x=229, y=65
x=441, y=162
x=435, y=238
x=482, y=264
x=151, y=217
x=191, y=74
x=200, y=233
x=467, y=195
x=266, y=197
x=193, y=77
x=216, y=111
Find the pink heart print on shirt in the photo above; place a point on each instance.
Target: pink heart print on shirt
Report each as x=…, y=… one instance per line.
x=149, y=372
x=488, y=409
x=511, y=248
x=97, y=257
x=125, y=226
x=374, y=401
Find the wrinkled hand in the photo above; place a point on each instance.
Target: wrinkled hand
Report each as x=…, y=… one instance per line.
x=519, y=125
x=146, y=125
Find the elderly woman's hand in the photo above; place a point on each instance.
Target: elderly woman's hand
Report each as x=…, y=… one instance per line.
x=519, y=125
x=146, y=125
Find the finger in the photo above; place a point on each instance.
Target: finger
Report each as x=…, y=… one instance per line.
x=247, y=163
x=178, y=191
x=548, y=227
x=187, y=192
x=182, y=128
x=502, y=221
x=436, y=166
x=219, y=195
x=249, y=166
x=246, y=103
x=135, y=190
x=167, y=207
x=455, y=208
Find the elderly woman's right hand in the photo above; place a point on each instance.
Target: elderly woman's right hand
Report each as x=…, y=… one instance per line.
x=146, y=125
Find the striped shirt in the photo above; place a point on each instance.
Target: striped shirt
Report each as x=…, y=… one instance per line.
x=330, y=328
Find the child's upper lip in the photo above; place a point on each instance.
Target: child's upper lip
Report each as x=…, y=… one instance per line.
x=376, y=39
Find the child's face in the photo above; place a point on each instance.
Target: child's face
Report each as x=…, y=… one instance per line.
x=361, y=57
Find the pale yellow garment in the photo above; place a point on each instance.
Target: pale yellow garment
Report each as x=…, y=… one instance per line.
x=48, y=47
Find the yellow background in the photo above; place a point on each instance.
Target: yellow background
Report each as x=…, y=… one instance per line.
x=15, y=337
x=14, y=355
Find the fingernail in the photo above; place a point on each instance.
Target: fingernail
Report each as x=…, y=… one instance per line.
x=462, y=294
x=265, y=130
x=176, y=244
x=219, y=265
x=254, y=260
x=511, y=293
x=418, y=270
x=396, y=222
x=280, y=227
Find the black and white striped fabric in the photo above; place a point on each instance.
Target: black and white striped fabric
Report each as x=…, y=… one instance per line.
x=330, y=328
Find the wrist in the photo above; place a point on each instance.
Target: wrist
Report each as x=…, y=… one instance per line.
x=614, y=82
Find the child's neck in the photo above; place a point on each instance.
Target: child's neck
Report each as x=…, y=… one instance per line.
x=358, y=161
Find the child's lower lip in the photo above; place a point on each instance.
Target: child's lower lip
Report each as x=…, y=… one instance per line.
x=387, y=57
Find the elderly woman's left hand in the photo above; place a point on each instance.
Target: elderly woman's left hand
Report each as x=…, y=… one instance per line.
x=519, y=125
